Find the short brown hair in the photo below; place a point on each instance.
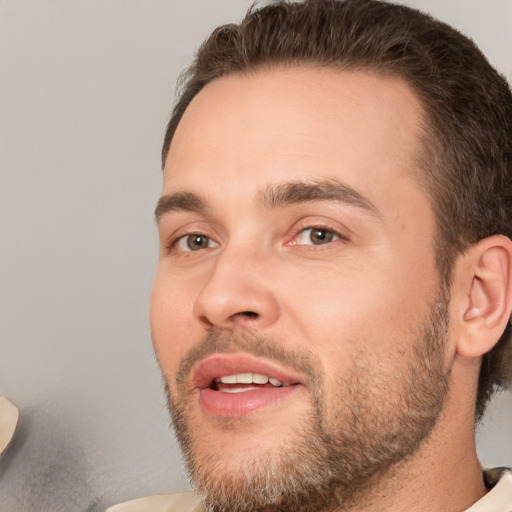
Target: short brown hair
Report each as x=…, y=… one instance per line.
x=467, y=143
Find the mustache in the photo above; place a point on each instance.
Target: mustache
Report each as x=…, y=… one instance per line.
x=254, y=344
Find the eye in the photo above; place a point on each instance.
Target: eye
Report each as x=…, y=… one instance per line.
x=194, y=242
x=316, y=236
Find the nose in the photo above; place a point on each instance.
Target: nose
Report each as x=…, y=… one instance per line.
x=237, y=292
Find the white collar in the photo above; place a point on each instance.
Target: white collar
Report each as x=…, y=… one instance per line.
x=499, y=498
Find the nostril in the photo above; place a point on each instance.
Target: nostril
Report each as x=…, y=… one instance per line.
x=244, y=316
x=205, y=321
x=249, y=314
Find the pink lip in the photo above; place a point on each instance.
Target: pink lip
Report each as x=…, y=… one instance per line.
x=217, y=403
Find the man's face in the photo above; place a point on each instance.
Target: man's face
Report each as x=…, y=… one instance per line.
x=296, y=312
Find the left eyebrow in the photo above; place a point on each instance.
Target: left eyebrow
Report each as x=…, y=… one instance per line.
x=326, y=190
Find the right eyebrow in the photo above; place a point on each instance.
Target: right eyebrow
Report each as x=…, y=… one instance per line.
x=179, y=201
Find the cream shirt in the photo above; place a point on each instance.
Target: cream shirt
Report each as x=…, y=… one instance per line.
x=498, y=499
x=9, y=416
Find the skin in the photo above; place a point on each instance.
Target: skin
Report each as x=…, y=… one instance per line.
x=363, y=293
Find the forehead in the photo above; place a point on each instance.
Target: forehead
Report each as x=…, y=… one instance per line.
x=297, y=123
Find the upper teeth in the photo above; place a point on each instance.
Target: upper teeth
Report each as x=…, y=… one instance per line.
x=249, y=378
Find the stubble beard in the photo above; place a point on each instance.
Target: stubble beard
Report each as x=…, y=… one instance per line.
x=343, y=449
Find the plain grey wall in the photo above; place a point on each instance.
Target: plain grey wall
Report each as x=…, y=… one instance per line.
x=86, y=87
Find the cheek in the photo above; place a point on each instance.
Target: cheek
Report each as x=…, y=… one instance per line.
x=172, y=321
x=376, y=307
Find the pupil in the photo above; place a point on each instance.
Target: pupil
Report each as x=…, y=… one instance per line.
x=195, y=242
x=321, y=236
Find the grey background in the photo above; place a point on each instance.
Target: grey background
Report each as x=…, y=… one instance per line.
x=86, y=87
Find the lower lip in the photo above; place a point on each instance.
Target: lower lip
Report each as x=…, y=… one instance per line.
x=236, y=405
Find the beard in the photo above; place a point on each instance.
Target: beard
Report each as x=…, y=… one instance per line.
x=346, y=445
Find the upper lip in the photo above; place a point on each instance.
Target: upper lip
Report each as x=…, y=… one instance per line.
x=221, y=365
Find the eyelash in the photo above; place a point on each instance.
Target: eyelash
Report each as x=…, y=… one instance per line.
x=317, y=227
x=172, y=245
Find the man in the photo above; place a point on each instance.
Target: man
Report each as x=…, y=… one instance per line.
x=332, y=301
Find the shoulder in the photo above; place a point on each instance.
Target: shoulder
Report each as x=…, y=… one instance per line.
x=179, y=502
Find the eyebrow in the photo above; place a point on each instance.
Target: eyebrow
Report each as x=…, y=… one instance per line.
x=179, y=201
x=275, y=196
x=326, y=190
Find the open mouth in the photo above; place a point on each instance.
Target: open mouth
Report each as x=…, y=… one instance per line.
x=238, y=385
x=242, y=382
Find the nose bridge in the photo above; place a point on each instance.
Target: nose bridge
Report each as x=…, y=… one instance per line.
x=237, y=291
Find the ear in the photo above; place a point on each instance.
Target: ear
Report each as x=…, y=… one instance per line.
x=483, y=285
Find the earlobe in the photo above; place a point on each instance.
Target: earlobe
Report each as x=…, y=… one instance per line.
x=488, y=304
